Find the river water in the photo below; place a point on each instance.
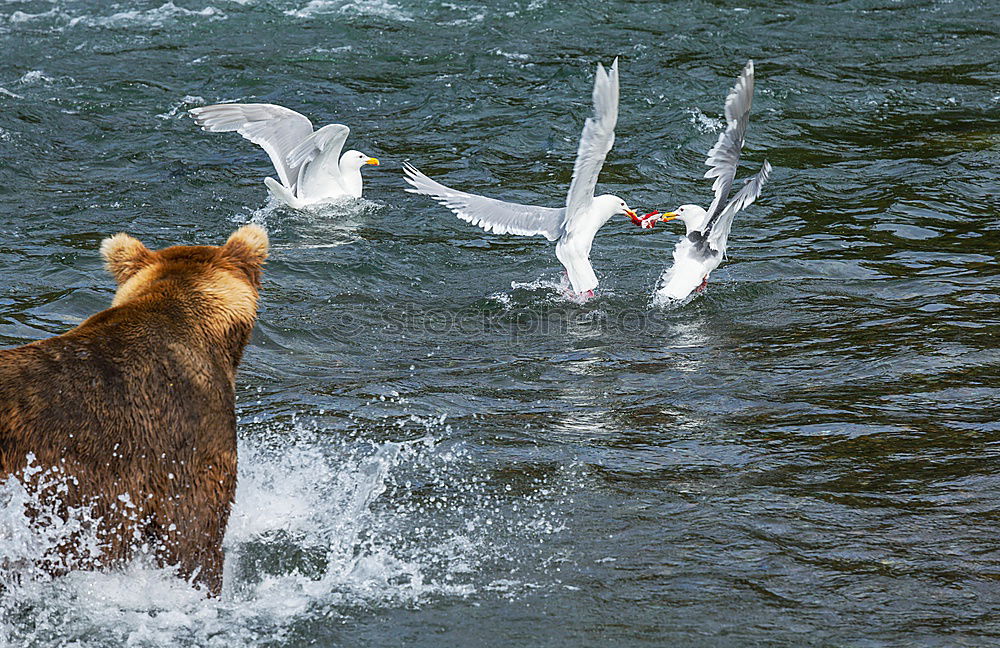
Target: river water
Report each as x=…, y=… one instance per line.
x=438, y=448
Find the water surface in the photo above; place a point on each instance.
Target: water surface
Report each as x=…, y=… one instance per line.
x=437, y=448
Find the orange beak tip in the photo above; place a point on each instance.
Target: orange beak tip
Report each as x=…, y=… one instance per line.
x=372, y=161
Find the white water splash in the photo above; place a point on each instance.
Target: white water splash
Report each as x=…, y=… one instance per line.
x=149, y=18
x=34, y=76
x=20, y=546
x=60, y=18
x=175, y=110
x=377, y=8
x=512, y=56
x=20, y=17
x=704, y=123
x=325, y=225
x=317, y=524
x=557, y=290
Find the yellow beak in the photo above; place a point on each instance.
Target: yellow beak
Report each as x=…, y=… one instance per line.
x=630, y=213
x=372, y=161
x=669, y=216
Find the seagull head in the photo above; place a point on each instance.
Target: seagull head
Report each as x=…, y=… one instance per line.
x=692, y=216
x=612, y=205
x=356, y=159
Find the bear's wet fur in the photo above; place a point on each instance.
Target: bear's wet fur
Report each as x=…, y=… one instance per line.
x=132, y=413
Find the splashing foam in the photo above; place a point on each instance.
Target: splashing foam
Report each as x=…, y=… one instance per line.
x=562, y=288
x=175, y=110
x=325, y=225
x=318, y=527
x=704, y=123
x=21, y=549
x=23, y=17
x=151, y=17
x=376, y=8
x=34, y=76
x=156, y=17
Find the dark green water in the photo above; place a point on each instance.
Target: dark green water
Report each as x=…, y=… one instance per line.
x=432, y=455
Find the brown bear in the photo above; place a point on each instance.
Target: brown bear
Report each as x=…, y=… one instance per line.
x=131, y=416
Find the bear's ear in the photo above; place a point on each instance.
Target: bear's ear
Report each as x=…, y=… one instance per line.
x=249, y=245
x=124, y=256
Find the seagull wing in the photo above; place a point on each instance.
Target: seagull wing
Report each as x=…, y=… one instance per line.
x=596, y=140
x=717, y=232
x=317, y=158
x=492, y=215
x=725, y=155
x=276, y=129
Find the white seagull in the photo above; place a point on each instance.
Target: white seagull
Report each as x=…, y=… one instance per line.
x=309, y=163
x=703, y=248
x=572, y=227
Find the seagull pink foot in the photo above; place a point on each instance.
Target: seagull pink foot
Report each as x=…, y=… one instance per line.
x=579, y=298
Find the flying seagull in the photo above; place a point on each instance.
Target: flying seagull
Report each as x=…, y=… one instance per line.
x=572, y=227
x=308, y=162
x=703, y=247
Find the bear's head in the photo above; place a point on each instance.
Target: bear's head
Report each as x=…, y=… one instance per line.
x=226, y=277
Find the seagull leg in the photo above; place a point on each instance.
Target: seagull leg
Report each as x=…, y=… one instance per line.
x=704, y=283
x=565, y=285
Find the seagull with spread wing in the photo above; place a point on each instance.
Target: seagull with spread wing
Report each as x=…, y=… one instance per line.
x=308, y=162
x=574, y=226
x=704, y=245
